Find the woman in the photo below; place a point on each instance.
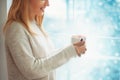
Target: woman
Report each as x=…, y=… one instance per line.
x=27, y=45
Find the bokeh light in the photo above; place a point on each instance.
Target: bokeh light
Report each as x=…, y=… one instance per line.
x=99, y=21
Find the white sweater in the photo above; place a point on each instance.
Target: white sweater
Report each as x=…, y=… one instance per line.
x=31, y=57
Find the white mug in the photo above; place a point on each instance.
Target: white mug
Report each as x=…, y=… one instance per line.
x=76, y=39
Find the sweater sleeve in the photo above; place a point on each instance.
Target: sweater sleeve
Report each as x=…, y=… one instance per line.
x=29, y=66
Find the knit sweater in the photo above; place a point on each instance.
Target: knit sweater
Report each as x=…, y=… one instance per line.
x=33, y=57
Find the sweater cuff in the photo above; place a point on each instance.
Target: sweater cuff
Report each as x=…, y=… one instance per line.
x=70, y=51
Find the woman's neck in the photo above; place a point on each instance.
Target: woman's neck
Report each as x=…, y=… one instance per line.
x=31, y=17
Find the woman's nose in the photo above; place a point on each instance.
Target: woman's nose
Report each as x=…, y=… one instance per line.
x=47, y=3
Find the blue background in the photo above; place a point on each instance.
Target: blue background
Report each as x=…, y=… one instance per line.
x=99, y=21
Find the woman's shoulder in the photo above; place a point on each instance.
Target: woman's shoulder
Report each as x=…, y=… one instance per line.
x=15, y=25
x=15, y=29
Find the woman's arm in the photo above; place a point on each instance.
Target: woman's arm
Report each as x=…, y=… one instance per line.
x=21, y=52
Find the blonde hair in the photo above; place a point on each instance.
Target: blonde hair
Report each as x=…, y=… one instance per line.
x=19, y=11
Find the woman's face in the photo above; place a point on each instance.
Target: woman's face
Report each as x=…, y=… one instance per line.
x=37, y=7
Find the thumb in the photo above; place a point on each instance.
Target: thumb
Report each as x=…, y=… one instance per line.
x=79, y=43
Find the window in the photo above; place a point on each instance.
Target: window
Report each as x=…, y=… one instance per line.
x=99, y=21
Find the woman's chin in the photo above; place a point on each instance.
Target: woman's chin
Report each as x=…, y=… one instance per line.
x=40, y=14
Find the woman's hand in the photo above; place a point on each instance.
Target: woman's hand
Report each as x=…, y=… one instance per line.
x=80, y=47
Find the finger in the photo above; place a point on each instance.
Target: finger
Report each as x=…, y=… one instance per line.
x=82, y=49
x=79, y=43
